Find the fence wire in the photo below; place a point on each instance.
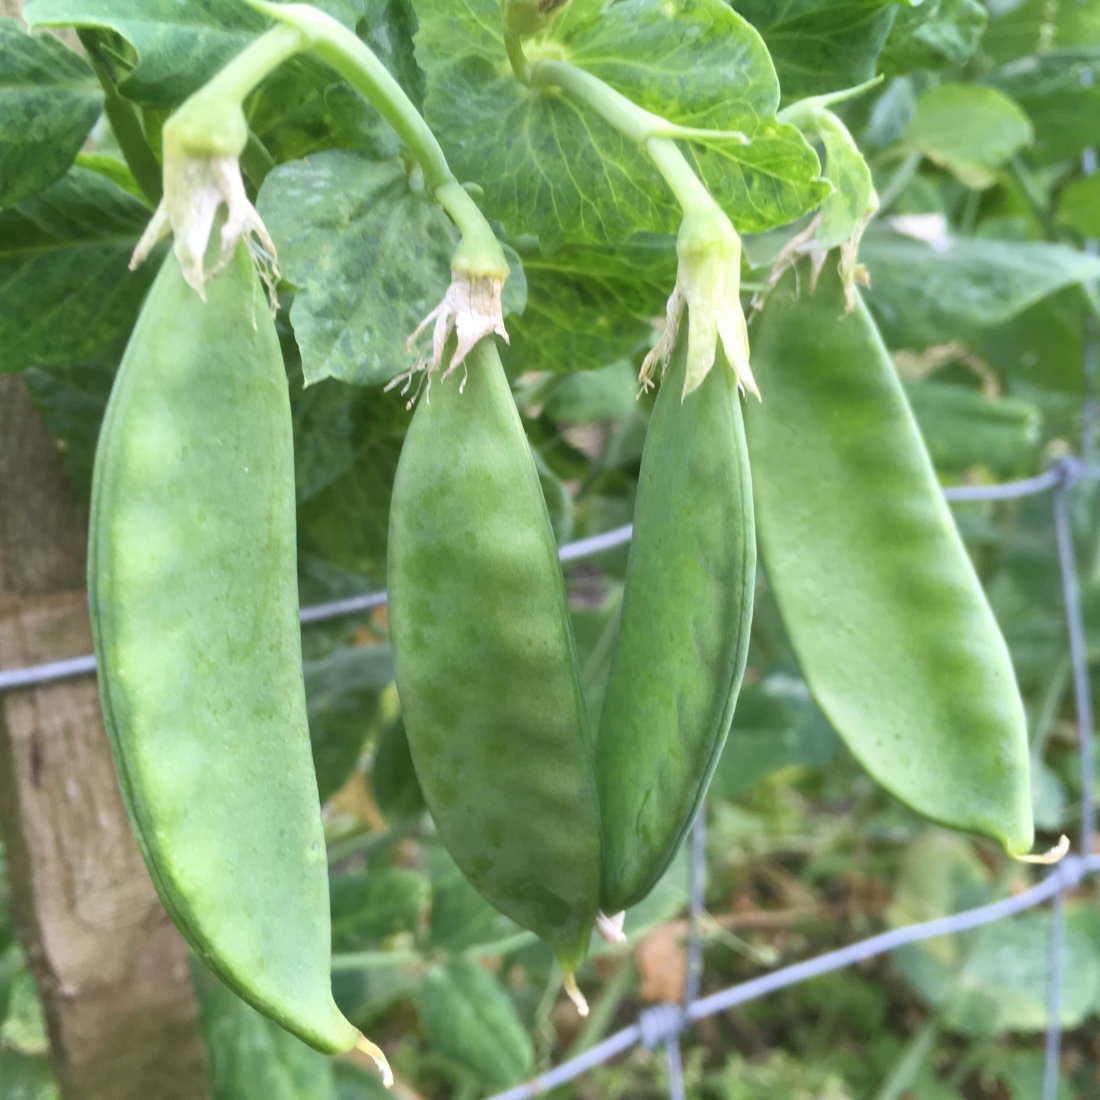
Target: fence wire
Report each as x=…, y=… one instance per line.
x=663, y=1025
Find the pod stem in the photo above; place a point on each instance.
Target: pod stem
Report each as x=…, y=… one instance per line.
x=709, y=249
x=652, y=133
x=259, y=58
x=331, y=41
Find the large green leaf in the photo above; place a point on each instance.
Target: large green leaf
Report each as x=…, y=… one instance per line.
x=1079, y=206
x=250, y=1056
x=372, y=905
x=467, y=1016
x=27, y=1078
x=178, y=47
x=963, y=427
x=64, y=276
x=342, y=692
x=1061, y=97
x=590, y=305
x=556, y=169
x=71, y=402
x=968, y=129
x=922, y=295
x=167, y=48
x=371, y=255
x=936, y=34
x=49, y=100
x=1018, y=28
x=305, y=106
x=821, y=45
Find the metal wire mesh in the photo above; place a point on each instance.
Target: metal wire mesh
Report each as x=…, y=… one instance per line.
x=664, y=1024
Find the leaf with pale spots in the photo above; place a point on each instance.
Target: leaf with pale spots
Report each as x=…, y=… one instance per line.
x=370, y=254
x=559, y=171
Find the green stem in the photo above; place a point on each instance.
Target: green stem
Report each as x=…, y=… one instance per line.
x=513, y=47
x=371, y=960
x=627, y=117
x=348, y=55
x=624, y=114
x=125, y=123
x=685, y=184
x=265, y=54
x=805, y=112
x=651, y=132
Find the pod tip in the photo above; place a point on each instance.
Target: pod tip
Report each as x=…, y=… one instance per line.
x=374, y=1053
x=1058, y=852
x=574, y=994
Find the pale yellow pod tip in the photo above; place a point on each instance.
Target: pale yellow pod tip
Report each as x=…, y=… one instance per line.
x=611, y=928
x=374, y=1053
x=575, y=995
x=1055, y=854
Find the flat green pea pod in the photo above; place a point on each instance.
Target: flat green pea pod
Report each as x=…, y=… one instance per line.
x=193, y=588
x=684, y=634
x=882, y=605
x=485, y=663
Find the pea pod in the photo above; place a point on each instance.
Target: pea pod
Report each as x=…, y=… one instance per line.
x=883, y=608
x=193, y=588
x=485, y=663
x=684, y=638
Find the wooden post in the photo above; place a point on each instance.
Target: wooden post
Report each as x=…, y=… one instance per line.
x=110, y=966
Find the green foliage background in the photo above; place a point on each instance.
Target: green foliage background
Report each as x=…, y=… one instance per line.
x=974, y=139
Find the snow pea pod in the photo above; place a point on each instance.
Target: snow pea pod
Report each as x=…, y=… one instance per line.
x=193, y=588
x=485, y=663
x=687, y=608
x=882, y=605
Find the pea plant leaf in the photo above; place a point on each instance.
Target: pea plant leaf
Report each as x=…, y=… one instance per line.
x=305, y=106
x=467, y=1016
x=64, y=256
x=49, y=100
x=173, y=48
x=559, y=171
x=935, y=35
x=969, y=130
x=588, y=306
x=1026, y=27
x=1060, y=96
x=1079, y=206
x=250, y=1055
x=821, y=45
x=923, y=295
x=846, y=210
x=169, y=49
x=696, y=62
x=371, y=256
x=71, y=402
x=342, y=693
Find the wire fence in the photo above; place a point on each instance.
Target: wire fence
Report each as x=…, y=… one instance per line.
x=662, y=1025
